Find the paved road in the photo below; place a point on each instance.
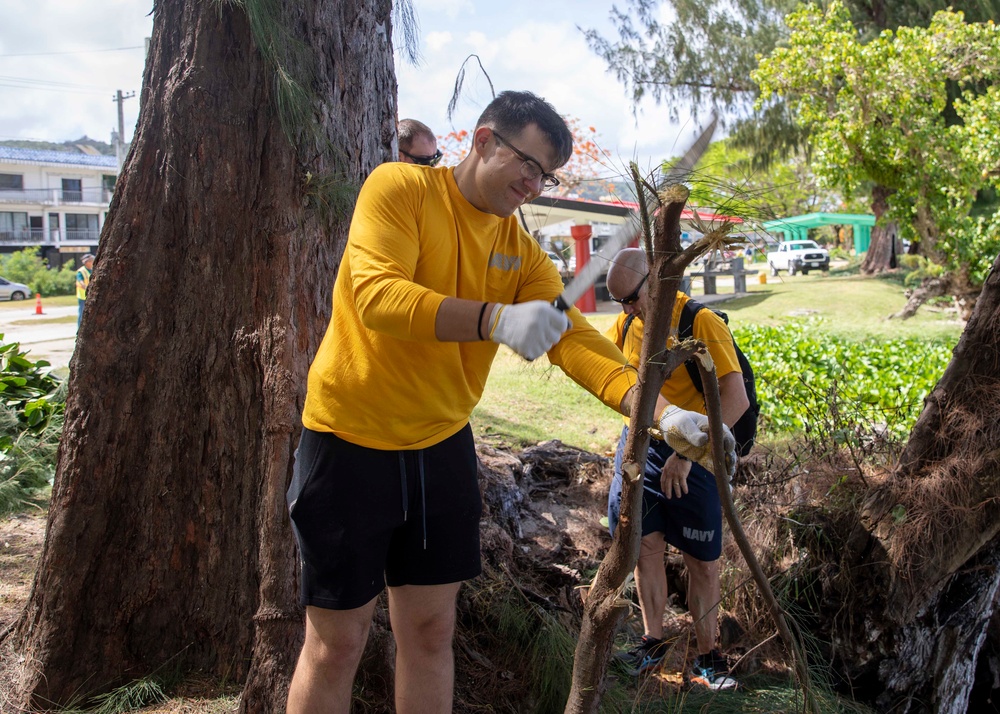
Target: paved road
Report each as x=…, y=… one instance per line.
x=39, y=335
x=45, y=339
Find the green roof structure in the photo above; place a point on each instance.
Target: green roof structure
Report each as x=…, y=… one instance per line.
x=797, y=227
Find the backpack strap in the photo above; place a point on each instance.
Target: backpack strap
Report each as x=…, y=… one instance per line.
x=628, y=323
x=685, y=330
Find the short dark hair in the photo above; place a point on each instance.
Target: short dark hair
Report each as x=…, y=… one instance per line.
x=511, y=112
x=410, y=129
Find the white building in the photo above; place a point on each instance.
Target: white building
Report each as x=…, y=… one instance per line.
x=53, y=200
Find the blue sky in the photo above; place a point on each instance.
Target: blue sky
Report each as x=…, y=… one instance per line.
x=61, y=62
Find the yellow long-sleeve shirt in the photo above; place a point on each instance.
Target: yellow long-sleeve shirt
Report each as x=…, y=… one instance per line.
x=708, y=327
x=381, y=378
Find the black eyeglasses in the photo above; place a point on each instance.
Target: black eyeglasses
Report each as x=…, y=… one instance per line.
x=423, y=160
x=631, y=298
x=530, y=168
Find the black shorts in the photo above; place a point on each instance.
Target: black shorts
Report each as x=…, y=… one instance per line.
x=365, y=518
x=692, y=523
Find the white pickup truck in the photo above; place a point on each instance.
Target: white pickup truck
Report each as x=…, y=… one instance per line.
x=798, y=256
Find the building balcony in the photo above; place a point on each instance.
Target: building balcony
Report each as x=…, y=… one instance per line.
x=81, y=235
x=56, y=196
x=27, y=237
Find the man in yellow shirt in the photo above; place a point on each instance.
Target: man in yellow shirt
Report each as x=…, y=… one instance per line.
x=680, y=502
x=436, y=274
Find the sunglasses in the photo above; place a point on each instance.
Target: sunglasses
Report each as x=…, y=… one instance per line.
x=423, y=160
x=632, y=297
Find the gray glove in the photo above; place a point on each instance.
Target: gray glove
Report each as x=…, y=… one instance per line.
x=686, y=433
x=529, y=328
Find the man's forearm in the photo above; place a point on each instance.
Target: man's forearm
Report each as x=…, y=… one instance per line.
x=461, y=320
x=626, y=406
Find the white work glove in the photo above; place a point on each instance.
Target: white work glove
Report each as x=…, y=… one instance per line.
x=528, y=328
x=687, y=434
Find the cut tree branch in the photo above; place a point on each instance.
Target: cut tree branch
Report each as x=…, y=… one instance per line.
x=713, y=405
x=605, y=605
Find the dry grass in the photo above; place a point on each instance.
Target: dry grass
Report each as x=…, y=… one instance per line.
x=935, y=519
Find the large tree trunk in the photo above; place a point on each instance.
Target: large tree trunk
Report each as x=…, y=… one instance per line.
x=168, y=539
x=885, y=246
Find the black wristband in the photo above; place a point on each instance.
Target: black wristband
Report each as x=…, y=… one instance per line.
x=681, y=456
x=479, y=325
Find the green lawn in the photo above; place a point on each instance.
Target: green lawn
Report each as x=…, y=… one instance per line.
x=54, y=301
x=529, y=402
x=849, y=306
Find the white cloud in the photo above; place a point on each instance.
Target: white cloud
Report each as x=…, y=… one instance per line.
x=69, y=89
x=437, y=41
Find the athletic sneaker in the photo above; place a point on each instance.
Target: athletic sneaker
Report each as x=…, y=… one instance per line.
x=643, y=657
x=712, y=671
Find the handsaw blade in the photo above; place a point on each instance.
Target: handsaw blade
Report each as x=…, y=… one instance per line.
x=629, y=231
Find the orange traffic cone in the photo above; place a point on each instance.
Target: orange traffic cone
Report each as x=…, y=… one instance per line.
x=38, y=304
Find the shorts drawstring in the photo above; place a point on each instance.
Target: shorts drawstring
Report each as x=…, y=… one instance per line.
x=423, y=498
x=402, y=483
x=423, y=495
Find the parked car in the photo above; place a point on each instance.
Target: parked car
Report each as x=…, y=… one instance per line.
x=798, y=255
x=563, y=266
x=13, y=291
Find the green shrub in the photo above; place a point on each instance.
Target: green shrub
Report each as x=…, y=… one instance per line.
x=26, y=266
x=803, y=372
x=55, y=282
x=919, y=268
x=31, y=419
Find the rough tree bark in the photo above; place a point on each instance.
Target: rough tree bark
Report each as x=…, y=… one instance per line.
x=168, y=539
x=885, y=246
x=919, y=570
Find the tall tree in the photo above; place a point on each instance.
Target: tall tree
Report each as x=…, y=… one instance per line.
x=168, y=539
x=876, y=115
x=700, y=53
x=726, y=179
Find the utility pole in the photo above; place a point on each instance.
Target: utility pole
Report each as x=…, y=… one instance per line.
x=120, y=144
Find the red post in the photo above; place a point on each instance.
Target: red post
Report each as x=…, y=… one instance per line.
x=581, y=234
x=38, y=304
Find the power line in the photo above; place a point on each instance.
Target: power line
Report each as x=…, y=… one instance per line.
x=74, y=52
x=54, y=89
x=48, y=82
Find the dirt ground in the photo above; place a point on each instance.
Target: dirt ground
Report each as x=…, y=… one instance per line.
x=21, y=539
x=557, y=496
x=20, y=547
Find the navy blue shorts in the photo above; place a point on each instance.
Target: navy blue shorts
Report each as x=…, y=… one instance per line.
x=691, y=523
x=365, y=518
